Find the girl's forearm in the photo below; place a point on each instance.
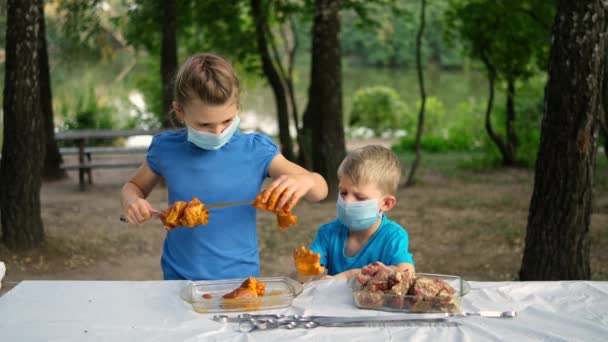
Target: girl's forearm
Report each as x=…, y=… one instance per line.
x=129, y=193
x=318, y=191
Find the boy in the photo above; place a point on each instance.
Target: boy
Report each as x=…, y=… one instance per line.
x=362, y=233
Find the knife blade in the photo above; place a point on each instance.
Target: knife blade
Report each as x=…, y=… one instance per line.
x=211, y=206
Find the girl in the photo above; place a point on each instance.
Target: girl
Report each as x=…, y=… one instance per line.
x=210, y=159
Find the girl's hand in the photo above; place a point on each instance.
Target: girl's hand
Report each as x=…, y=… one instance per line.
x=138, y=211
x=287, y=190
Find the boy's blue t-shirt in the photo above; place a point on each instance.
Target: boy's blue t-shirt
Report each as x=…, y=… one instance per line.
x=227, y=247
x=389, y=245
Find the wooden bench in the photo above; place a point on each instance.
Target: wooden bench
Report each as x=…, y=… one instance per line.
x=88, y=165
x=85, y=163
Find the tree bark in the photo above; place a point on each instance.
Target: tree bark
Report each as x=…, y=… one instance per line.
x=496, y=138
x=260, y=17
x=24, y=135
x=510, y=158
x=557, y=239
x=410, y=178
x=168, y=58
x=323, y=131
x=53, y=160
x=604, y=112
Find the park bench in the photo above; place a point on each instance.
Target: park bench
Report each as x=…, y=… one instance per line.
x=85, y=153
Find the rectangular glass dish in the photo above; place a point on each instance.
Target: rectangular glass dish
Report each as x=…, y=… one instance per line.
x=206, y=295
x=407, y=303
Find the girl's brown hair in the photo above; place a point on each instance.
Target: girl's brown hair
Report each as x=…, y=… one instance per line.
x=207, y=77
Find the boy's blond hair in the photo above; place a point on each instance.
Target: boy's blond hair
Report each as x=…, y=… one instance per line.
x=373, y=164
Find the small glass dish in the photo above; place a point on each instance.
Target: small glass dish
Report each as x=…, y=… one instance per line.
x=206, y=295
x=408, y=303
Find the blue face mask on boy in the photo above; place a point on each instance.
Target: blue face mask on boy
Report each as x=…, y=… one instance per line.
x=211, y=141
x=357, y=215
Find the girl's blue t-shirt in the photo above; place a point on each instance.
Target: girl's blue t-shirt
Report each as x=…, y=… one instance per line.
x=226, y=247
x=389, y=245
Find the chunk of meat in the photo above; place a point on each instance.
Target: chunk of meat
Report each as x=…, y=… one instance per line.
x=370, y=271
x=172, y=215
x=427, y=287
x=252, y=283
x=185, y=214
x=370, y=298
x=400, y=282
x=195, y=213
x=286, y=219
x=284, y=216
x=243, y=297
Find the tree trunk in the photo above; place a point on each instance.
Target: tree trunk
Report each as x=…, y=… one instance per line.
x=260, y=18
x=323, y=130
x=557, y=240
x=291, y=59
x=496, y=138
x=24, y=135
x=53, y=160
x=604, y=112
x=510, y=159
x=168, y=58
x=410, y=178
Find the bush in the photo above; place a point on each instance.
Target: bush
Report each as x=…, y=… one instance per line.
x=434, y=115
x=464, y=131
x=380, y=109
x=87, y=113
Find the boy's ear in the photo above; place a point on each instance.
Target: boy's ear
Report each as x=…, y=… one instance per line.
x=388, y=202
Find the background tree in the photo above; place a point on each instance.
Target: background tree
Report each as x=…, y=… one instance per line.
x=52, y=161
x=323, y=129
x=410, y=177
x=24, y=135
x=222, y=27
x=168, y=57
x=557, y=239
x=511, y=41
x=274, y=73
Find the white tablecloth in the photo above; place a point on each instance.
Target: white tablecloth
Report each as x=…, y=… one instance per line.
x=153, y=311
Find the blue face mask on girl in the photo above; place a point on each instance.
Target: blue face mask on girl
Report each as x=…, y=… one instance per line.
x=357, y=215
x=211, y=141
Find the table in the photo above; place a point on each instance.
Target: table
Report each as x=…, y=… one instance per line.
x=153, y=311
x=82, y=136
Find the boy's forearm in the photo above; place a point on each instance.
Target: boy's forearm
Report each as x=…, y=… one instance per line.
x=347, y=274
x=319, y=189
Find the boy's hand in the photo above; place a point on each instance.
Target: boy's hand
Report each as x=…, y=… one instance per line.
x=306, y=262
x=285, y=192
x=138, y=211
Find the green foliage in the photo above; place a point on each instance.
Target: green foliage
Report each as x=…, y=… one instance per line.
x=529, y=110
x=380, y=109
x=434, y=115
x=433, y=144
x=382, y=37
x=222, y=27
x=513, y=35
x=87, y=113
x=463, y=129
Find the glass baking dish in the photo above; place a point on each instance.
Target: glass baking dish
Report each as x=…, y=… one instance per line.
x=409, y=303
x=206, y=295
